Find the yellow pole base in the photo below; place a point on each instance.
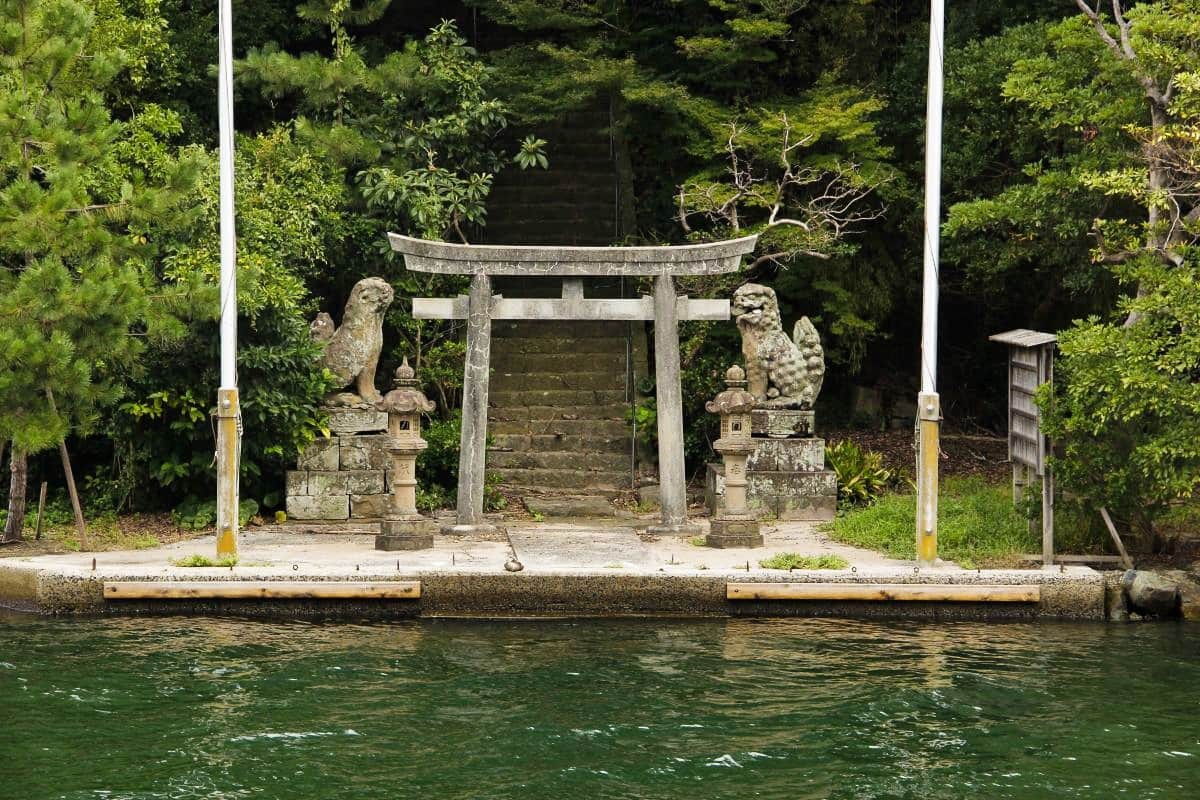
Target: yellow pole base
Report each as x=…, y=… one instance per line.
x=228, y=449
x=929, y=420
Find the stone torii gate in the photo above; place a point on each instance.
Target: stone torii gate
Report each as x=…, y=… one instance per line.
x=572, y=264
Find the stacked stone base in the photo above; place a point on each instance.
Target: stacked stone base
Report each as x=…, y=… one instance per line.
x=346, y=476
x=786, y=480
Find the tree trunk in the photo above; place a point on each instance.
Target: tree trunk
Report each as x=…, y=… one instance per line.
x=80, y=526
x=76, y=508
x=16, y=497
x=1157, y=241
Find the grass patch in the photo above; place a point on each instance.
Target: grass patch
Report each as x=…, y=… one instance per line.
x=797, y=561
x=197, y=560
x=697, y=541
x=977, y=524
x=104, y=533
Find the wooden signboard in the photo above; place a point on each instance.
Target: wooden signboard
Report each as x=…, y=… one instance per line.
x=1030, y=364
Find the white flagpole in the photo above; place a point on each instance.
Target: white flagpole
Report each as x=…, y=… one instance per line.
x=928, y=403
x=228, y=411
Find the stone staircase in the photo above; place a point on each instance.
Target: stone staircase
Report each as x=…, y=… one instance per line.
x=559, y=393
x=575, y=201
x=558, y=405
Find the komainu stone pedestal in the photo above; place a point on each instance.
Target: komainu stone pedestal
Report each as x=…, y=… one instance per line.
x=782, y=423
x=344, y=477
x=785, y=478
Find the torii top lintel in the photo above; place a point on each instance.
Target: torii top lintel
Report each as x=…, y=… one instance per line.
x=422, y=255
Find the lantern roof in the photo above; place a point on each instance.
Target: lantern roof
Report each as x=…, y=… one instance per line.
x=735, y=399
x=407, y=396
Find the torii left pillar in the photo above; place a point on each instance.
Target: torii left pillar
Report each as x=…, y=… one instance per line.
x=472, y=453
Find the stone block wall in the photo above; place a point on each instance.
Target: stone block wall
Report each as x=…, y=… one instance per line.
x=346, y=476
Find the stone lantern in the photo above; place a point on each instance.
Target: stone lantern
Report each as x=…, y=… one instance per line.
x=734, y=525
x=403, y=528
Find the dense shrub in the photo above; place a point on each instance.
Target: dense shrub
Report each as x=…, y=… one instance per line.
x=1126, y=413
x=861, y=476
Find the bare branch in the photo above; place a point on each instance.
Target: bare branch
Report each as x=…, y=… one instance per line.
x=683, y=212
x=1093, y=14
x=1123, y=26
x=779, y=257
x=1124, y=49
x=825, y=204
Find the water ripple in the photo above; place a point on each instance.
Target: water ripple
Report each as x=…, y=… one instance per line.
x=209, y=708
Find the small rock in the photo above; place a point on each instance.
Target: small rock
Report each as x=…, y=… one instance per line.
x=1189, y=601
x=649, y=497
x=1149, y=593
x=512, y=565
x=1189, y=593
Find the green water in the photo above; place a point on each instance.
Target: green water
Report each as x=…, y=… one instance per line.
x=206, y=708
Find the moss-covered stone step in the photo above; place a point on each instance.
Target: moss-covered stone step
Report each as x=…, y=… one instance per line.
x=503, y=380
x=556, y=413
x=569, y=443
x=562, y=429
x=566, y=330
x=589, y=462
x=553, y=363
x=506, y=398
x=541, y=480
x=579, y=347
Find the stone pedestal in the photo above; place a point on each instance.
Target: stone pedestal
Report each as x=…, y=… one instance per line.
x=682, y=530
x=785, y=477
x=729, y=532
x=346, y=476
x=406, y=533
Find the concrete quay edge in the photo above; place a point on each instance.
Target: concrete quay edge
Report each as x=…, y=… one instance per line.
x=1076, y=593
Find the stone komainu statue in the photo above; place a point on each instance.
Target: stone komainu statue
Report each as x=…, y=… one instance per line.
x=781, y=372
x=352, y=349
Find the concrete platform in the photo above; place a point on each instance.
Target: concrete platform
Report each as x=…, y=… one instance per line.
x=568, y=570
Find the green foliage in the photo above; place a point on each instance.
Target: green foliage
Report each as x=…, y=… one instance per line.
x=195, y=514
x=416, y=128
x=861, y=476
x=290, y=213
x=1067, y=103
x=57, y=512
x=197, y=560
x=433, y=497
x=198, y=514
x=791, y=561
x=76, y=214
x=1126, y=413
x=437, y=468
x=532, y=153
x=976, y=523
x=643, y=418
x=1109, y=151
x=493, y=499
x=437, y=465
